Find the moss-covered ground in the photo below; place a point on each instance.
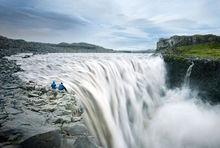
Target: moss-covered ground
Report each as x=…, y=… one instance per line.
x=208, y=50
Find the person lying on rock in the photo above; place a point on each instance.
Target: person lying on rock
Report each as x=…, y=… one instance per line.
x=61, y=87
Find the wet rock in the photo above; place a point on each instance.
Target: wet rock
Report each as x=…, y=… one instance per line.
x=50, y=139
x=75, y=119
x=15, y=104
x=26, y=56
x=84, y=142
x=62, y=112
x=58, y=121
x=15, y=86
x=33, y=95
x=204, y=76
x=37, y=92
x=10, y=146
x=78, y=111
x=29, y=86
x=41, y=89
x=15, y=137
x=13, y=111
x=76, y=130
x=49, y=108
x=28, y=102
x=63, y=119
x=3, y=116
x=39, y=102
x=35, y=109
x=10, y=135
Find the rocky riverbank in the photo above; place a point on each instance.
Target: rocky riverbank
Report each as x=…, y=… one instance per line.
x=32, y=117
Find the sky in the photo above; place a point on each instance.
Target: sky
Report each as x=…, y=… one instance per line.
x=116, y=24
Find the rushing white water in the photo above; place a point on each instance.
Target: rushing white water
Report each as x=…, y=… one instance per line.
x=126, y=100
x=187, y=76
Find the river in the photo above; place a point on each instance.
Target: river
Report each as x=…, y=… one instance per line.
x=126, y=99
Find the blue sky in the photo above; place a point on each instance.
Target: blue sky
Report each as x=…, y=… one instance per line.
x=118, y=24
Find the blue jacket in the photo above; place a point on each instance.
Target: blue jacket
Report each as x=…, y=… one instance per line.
x=53, y=85
x=62, y=87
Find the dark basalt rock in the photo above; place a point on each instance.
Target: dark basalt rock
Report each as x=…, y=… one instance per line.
x=78, y=129
x=70, y=137
x=50, y=139
x=84, y=142
x=205, y=72
x=11, y=135
x=204, y=76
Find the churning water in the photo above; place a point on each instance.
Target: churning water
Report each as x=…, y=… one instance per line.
x=126, y=99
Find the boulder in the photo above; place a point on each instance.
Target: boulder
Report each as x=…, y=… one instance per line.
x=76, y=130
x=84, y=142
x=50, y=139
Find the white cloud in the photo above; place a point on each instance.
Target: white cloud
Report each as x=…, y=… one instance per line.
x=129, y=24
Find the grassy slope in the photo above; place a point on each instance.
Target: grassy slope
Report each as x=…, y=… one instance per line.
x=208, y=50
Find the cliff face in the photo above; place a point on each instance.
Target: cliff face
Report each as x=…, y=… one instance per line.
x=204, y=76
x=177, y=41
x=205, y=72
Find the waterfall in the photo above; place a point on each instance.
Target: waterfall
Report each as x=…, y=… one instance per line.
x=120, y=95
x=126, y=102
x=187, y=76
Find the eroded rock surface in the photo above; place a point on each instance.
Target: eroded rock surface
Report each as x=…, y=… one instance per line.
x=31, y=116
x=164, y=45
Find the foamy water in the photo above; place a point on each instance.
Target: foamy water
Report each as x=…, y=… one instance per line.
x=126, y=99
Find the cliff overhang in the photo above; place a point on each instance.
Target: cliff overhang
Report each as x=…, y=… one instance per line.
x=204, y=50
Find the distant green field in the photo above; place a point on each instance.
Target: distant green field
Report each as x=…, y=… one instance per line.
x=209, y=50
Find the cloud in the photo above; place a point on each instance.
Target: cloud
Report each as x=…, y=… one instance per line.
x=123, y=24
x=31, y=18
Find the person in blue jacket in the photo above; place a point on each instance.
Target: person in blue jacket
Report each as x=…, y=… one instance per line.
x=62, y=87
x=53, y=85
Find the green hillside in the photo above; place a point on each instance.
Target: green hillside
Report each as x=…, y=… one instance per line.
x=207, y=50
